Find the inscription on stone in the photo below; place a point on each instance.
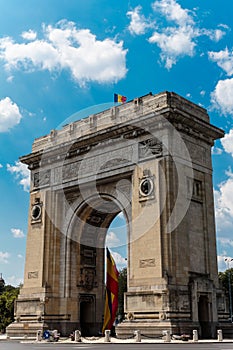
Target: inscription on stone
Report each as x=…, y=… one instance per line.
x=146, y=263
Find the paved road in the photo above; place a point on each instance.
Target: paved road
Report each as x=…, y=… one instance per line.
x=10, y=345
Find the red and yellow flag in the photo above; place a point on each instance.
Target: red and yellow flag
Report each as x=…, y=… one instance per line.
x=111, y=293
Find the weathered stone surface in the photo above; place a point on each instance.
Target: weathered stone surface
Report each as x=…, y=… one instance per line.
x=151, y=159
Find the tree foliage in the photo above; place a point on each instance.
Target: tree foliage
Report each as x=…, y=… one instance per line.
x=7, y=298
x=121, y=290
x=224, y=279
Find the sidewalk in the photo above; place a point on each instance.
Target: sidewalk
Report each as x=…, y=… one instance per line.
x=89, y=340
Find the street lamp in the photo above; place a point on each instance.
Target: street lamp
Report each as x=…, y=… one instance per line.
x=228, y=260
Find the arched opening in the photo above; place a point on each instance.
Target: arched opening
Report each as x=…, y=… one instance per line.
x=94, y=223
x=117, y=243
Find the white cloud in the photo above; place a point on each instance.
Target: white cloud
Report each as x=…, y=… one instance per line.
x=22, y=173
x=221, y=97
x=226, y=241
x=224, y=216
x=222, y=263
x=217, y=34
x=174, y=43
x=224, y=60
x=4, y=256
x=10, y=79
x=202, y=93
x=227, y=142
x=9, y=114
x=1, y=166
x=65, y=47
x=119, y=260
x=176, y=38
x=224, y=207
x=216, y=151
x=138, y=23
x=20, y=256
x=29, y=35
x=112, y=240
x=14, y=281
x=173, y=12
x=17, y=233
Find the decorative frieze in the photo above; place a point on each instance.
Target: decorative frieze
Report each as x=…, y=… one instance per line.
x=94, y=164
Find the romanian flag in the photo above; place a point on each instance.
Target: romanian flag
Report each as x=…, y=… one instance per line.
x=119, y=98
x=111, y=293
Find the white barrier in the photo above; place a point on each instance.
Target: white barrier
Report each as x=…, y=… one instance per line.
x=138, y=336
x=38, y=336
x=107, y=336
x=220, y=337
x=195, y=335
x=167, y=338
x=77, y=336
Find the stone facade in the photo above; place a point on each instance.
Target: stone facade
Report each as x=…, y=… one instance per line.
x=150, y=159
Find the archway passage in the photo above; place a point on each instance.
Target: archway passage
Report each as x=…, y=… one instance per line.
x=85, y=264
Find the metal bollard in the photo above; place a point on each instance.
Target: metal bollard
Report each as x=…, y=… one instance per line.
x=107, y=336
x=77, y=336
x=167, y=338
x=195, y=335
x=220, y=337
x=138, y=336
x=38, y=336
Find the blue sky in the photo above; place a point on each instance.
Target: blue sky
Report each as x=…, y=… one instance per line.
x=60, y=57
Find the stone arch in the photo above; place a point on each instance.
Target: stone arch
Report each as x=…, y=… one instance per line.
x=145, y=158
x=84, y=258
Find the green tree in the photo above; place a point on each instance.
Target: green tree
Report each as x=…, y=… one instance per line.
x=7, y=299
x=121, y=290
x=224, y=279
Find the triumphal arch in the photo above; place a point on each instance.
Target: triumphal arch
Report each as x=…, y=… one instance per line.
x=149, y=158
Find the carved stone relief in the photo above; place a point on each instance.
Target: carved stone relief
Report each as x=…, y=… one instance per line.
x=33, y=274
x=87, y=278
x=42, y=178
x=149, y=148
x=143, y=263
